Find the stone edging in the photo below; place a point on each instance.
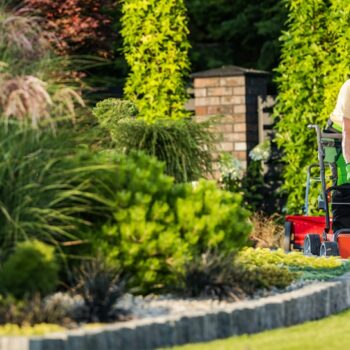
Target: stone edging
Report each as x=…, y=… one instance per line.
x=312, y=302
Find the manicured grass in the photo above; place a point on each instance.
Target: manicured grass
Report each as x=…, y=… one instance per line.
x=329, y=333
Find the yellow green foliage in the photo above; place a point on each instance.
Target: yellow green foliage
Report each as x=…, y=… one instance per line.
x=264, y=256
x=314, y=63
x=10, y=329
x=157, y=226
x=156, y=48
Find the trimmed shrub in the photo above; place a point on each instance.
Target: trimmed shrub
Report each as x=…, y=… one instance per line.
x=156, y=48
x=157, y=226
x=32, y=268
x=186, y=146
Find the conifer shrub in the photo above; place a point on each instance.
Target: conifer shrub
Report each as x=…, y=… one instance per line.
x=185, y=146
x=32, y=268
x=158, y=226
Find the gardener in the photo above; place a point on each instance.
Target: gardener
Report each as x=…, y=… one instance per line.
x=340, y=122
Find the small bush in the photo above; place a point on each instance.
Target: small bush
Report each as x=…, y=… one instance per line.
x=100, y=287
x=211, y=275
x=186, y=146
x=157, y=226
x=265, y=267
x=110, y=111
x=32, y=268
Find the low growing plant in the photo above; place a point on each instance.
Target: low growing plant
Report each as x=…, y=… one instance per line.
x=261, y=256
x=31, y=269
x=211, y=275
x=34, y=310
x=14, y=330
x=100, y=287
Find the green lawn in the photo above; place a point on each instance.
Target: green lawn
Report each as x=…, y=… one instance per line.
x=330, y=333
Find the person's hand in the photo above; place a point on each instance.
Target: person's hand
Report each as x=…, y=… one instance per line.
x=348, y=172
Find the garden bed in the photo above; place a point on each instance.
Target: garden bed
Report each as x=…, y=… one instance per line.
x=311, y=302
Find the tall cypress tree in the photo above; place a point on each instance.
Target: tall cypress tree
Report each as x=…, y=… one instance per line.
x=314, y=64
x=156, y=49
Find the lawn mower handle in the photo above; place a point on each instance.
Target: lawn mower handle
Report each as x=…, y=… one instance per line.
x=322, y=176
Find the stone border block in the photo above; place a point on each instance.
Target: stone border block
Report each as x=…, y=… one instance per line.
x=247, y=317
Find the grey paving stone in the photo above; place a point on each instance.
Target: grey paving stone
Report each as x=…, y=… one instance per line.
x=197, y=328
x=274, y=315
x=164, y=333
x=224, y=324
x=144, y=336
x=127, y=338
x=96, y=339
x=181, y=330
x=35, y=343
x=76, y=340
x=54, y=342
x=210, y=326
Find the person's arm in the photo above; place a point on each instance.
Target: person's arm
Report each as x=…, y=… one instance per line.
x=346, y=146
x=346, y=140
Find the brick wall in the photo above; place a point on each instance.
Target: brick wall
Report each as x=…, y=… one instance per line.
x=236, y=99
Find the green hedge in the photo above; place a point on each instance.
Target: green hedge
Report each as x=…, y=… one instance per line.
x=315, y=62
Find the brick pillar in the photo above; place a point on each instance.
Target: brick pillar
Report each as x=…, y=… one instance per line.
x=233, y=93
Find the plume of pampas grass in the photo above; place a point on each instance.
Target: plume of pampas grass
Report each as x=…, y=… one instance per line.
x=21, y=32
x=26, y=97
x=33, y=81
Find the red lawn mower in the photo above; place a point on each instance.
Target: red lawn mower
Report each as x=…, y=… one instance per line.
x=323, y=235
